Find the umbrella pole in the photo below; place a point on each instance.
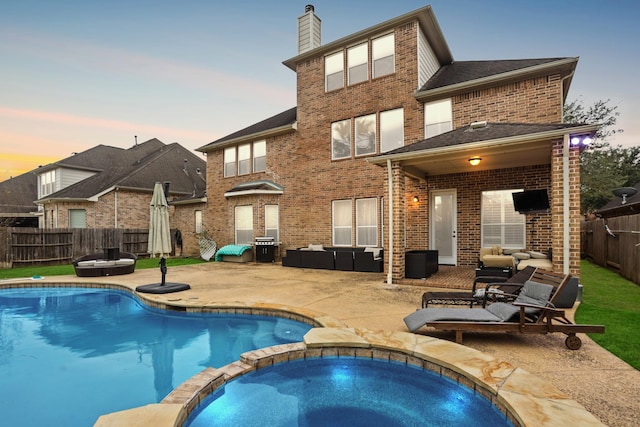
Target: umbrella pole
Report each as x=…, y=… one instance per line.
x=163, y=270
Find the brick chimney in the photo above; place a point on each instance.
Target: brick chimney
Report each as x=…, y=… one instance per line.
x=308, y=30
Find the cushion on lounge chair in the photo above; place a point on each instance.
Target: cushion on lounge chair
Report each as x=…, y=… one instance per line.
x=375, y=251
x=535, y=293
x=419, y=318
x=503, y=311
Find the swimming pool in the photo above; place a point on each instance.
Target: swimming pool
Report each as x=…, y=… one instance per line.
x=345, y=391
x=68, y=355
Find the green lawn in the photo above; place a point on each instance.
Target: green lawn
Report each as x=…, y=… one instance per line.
x=57, y=270
x=613, y=301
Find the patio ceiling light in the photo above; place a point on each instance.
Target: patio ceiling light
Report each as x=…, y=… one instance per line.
x=475, y=161
x=582, y=139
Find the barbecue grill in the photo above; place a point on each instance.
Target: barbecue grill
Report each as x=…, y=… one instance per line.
x=265, y=249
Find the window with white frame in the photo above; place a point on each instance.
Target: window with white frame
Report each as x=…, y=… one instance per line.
x=358, y=63
x=77, y=218
x=230, y=161
x=383, y=55
x=437, y=117
x=341, y=139
x=391, y=130
x=366, y=222
x=334, y=71
x=342, y=220
x=47, y=183
x=244, y=159
x=500, y=223
x=365, y=135
x=198, y=221
x=260, y=156
x=244, y=224
x=271, y=221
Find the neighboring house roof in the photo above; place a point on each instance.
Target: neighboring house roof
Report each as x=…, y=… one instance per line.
x=615, y=207
x=460, y=76
x=136, y=168
x=274, y=125
x=17, y=195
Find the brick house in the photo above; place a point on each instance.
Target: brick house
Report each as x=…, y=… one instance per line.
x=110, y=187
x=377, y=150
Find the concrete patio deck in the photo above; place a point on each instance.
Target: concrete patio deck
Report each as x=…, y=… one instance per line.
x=607, y=387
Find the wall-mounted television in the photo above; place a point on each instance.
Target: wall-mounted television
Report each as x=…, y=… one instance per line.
x=531, y=201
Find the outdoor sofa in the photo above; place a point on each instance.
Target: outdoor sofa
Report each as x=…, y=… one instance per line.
x=104, y=264
x=336, y=258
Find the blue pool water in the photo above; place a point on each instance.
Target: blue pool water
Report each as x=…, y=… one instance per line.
x=69, y=355
x=343, y=391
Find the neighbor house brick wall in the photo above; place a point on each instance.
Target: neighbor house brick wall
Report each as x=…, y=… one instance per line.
x=184, y=219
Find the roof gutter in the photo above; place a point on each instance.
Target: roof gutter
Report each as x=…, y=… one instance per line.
x=512, y=140
x=475, y=84
x=251, y=137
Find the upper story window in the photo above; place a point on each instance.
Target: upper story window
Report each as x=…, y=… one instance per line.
x=365, y=140
x=383, y=55
x=47, y=182
x=365, y=134
x=230, y=161
x=245, y=159
x=334, y=71
x=391, y=130
x=437, y=117
x=260, y=156
x=358, y=63
x=341, y=139
x=379, y=51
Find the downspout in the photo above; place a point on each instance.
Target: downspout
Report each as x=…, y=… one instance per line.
x=565, y=204
x=115, y=208
x=390, y=208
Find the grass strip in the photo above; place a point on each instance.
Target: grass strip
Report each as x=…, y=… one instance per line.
x=611, y=300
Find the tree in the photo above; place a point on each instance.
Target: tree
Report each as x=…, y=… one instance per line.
x=603, y=168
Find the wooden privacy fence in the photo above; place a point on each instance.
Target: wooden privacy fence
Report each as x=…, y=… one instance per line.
x=614, y=243
x=28, y=246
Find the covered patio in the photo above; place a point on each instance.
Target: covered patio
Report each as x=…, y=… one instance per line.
x=507, y=156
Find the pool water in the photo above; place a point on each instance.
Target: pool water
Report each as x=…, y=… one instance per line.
x=69, y=355
x=342, y=391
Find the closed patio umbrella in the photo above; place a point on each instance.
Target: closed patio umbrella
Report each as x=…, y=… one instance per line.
x=159, y=232
x=160, y=242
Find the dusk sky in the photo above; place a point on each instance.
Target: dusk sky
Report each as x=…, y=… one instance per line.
x=75, y=74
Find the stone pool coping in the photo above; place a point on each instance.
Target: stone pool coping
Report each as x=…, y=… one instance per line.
x=525, y=399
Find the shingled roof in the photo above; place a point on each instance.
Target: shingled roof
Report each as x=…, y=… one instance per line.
x=488, y=132
x=18, y=193
x=280, y=123
x=615, y=207
x=136, y=168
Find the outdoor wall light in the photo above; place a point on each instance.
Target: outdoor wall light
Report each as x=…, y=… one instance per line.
x=415, y=199
x=584, y=140
x=474, y=161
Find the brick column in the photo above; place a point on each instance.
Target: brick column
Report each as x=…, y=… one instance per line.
x=399, y=221
x=557, y=208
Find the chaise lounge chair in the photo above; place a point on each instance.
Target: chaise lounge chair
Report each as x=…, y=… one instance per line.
x=532, y=311
x=494, y=286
